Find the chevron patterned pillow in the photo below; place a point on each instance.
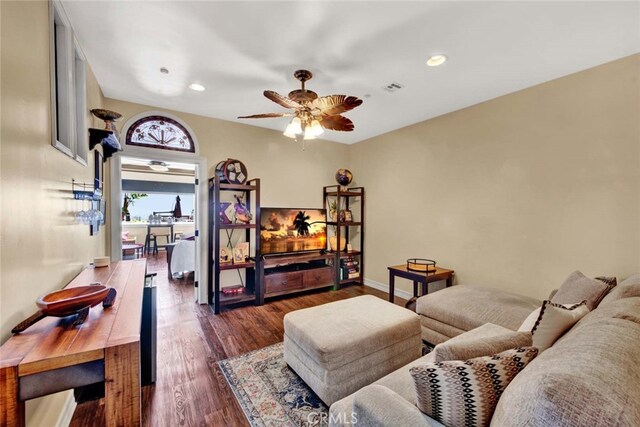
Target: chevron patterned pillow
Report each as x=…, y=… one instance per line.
x=465, y=393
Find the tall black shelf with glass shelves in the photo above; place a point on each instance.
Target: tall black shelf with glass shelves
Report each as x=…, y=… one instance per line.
x=252, y=292
x=351, y=200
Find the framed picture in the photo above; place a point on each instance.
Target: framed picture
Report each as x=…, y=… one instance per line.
x=348, y=216
x=226, y=255
x=238, y=255
x=241, y=252
x=226, y=212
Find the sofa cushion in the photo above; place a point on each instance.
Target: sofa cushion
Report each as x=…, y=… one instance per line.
x=588, y=378
x=487, y=339
x=376, y=405
x=467, y=307
x=578, y=287
x=630, y=287
x=340, y=332
x=552, y=321
x=436, y=332
x=461, y=393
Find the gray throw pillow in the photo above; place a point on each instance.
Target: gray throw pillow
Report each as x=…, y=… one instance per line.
x=578, y=287
x=478, y=347
x=630, y=287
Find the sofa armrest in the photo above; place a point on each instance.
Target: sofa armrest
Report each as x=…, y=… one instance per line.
x=378, y=406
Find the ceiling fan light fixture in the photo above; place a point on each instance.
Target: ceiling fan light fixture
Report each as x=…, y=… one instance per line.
x=309, y=111
x=288, y=132
x=435, y=60
x=293, y=128
x=315, y=128
x=157, y=166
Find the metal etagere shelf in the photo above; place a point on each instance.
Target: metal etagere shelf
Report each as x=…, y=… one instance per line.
x=347, y=199
x=252, y=290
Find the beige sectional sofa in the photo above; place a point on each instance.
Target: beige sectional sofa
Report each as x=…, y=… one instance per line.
x=589, y=377
x=458, y=309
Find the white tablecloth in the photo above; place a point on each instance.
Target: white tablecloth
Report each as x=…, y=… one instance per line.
x=184, y=256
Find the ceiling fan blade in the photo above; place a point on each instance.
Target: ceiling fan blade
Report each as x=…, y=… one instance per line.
x=266, y=116
x=334, y=104
x=338, y=122
x=281, y=100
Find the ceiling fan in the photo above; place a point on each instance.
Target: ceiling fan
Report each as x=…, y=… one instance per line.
x=311, y=114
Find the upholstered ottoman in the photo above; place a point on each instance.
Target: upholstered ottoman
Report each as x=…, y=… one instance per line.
x=340, y=347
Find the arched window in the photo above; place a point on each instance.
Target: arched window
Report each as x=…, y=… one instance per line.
x=160, y=132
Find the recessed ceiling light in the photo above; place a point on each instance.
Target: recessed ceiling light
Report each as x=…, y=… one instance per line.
x=436, y=60
x=163, y=70
x=197, y=87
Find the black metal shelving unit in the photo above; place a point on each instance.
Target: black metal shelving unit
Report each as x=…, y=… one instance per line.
x=345, y=200
x=253, y=291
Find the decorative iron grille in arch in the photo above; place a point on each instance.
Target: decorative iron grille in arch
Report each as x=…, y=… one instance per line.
x=160, y=132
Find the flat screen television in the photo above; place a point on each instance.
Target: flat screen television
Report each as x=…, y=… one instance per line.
x=287, y=230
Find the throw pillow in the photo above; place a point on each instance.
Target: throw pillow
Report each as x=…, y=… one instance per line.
x=578, y=287
x=553, y=321
x=456, y=349
x=465, y=393
x=611, y=281
x=530, y=321
x=630, y=287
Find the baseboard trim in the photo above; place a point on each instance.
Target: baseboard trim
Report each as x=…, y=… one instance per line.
x=385, y=288
x=64, y=419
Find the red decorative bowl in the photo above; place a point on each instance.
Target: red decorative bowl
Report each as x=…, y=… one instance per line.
x=66, y=302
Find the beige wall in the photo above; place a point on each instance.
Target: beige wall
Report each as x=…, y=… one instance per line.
x=41, y=247
x=289, y=176
x=516, y=192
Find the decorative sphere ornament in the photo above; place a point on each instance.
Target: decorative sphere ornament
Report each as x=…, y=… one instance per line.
x=344, y=177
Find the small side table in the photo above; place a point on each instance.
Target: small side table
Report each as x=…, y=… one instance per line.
x=424, y=278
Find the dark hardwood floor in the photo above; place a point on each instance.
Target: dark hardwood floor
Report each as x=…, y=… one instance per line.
x=190, y=389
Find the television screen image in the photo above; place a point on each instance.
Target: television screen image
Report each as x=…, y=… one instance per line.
x=286, y=230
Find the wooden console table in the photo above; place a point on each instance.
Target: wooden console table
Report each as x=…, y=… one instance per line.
x=53, y=356
x=421, y=277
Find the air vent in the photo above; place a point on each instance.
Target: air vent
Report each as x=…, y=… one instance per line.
x=393, y=87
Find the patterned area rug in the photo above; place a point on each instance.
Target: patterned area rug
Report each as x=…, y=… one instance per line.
x=270, y=393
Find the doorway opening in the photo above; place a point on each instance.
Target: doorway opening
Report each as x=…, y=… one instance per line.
x=157, y=214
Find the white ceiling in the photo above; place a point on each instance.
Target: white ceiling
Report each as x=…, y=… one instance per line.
x=237, y=49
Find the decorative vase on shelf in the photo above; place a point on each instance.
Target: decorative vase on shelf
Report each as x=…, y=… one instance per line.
x=333, y=243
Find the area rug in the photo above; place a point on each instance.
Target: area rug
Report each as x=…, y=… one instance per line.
x=270, y=393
